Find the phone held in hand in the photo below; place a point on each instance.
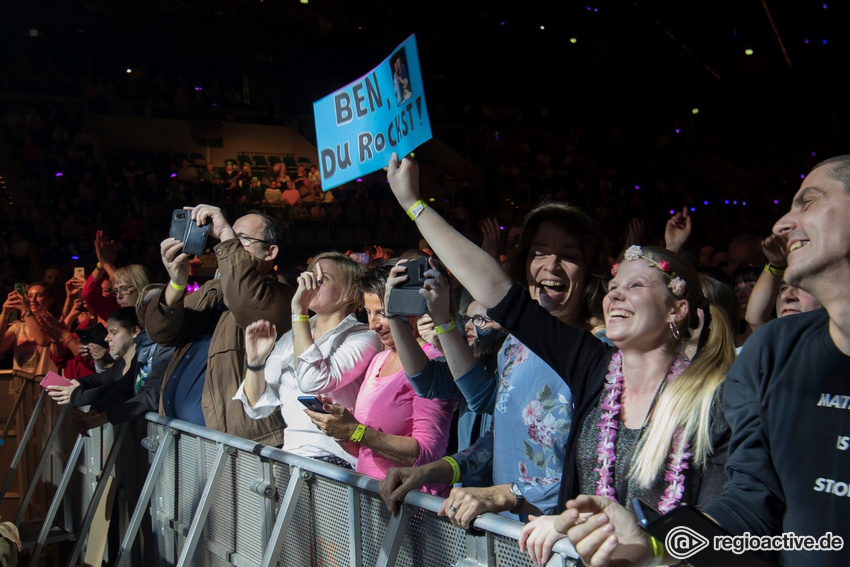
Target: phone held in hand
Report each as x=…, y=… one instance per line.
x=405, y=299
x=312, y=403
x=187, y=231
x=80, y=273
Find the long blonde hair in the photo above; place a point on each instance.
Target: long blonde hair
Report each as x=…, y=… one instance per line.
x=686, y=403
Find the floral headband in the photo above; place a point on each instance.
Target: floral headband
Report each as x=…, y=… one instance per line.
x=676, y=284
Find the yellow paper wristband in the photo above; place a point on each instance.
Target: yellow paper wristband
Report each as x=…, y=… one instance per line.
x=300, y=317
x=416, y=209
x=177, y=286
x=657, y=552
x=450, y=326
x=455, y=469
x=774, y=271
x=357, y=436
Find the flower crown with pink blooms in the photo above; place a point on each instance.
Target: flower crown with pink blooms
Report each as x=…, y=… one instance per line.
x=676, y=284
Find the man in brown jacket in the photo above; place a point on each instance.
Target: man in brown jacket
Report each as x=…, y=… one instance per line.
x=207, y=327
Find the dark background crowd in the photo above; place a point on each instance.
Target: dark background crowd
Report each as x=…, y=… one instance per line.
x=627, y=110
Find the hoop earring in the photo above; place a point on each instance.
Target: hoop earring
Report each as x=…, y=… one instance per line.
x=675, y=331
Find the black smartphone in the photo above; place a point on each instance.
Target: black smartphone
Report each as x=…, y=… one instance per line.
x=312, y=403
x=689, y=534
x=180, y=219
x=21, y=288
x=405, y=299
x=95, y=334
x=187, y=231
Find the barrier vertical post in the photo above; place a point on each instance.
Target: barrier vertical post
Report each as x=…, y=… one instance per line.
x=203, y=510
x=45, y=455
x=57, y=498
x=145, y=498
x=98, y=494
x=288, y=505
x=22, y=444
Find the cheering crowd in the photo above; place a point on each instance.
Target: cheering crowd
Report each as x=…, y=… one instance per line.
x=581, y=382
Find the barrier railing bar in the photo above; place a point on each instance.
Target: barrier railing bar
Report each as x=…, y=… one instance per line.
x=288, y=505
x=393, y=537
x=199, y=431
x=45, y=456
x=22, y=443
x=491, y=523
x=147, y=493
x=105, y=473
x=355, y=550
x=203, y=510
x=57, y=498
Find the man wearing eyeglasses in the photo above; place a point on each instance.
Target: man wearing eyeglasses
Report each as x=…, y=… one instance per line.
x=207, y=327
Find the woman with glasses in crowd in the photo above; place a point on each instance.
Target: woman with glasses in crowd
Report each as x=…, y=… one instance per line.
x=127, y=281
x=561, y=266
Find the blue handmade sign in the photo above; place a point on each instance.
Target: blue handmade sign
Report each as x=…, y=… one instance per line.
x=359, y=126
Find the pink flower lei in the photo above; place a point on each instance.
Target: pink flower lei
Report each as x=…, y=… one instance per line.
x=608, y=424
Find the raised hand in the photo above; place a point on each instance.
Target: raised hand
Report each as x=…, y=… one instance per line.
x=260, y=338
x=176, y=263
x=74, y=286
x=50, y=324
x=425, y=326
x=220, y=228
x=105, y=248
x=677, y=231
x=398, y=275
x=14, y=301
x=436, y=291
x=308, y=287
x=775, y=251
x=404, y=180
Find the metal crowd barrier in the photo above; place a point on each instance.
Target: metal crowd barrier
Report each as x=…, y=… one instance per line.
x=38, y=528
x=220, y=500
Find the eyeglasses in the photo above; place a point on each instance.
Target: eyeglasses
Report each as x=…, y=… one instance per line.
x=477, y=320
x=249, y=240
x=123, y=290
